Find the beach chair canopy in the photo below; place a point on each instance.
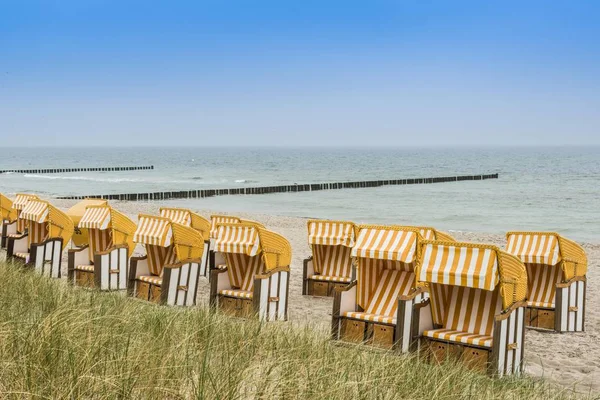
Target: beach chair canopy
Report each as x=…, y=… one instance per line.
x=392, y=243
x=252, y=240
x=21, y=200
x=475, y=266
x=331, y=233
x=46, y=221
x=188, y=218
x=107, y=227
x=216, y=220
x=81, y=235
x=429, y=233
x=550, y=249
x=6, y=209
x=167, y=242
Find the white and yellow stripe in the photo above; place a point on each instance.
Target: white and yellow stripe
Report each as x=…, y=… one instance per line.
x=534, y=248
x=459, y=265
x=35, y=211
x=241, y=239
x=95, y=217
x=331, y=233
x=177, y=215
x=386, y=244
x=216, y=220
x=153, y=230
x=21, y=200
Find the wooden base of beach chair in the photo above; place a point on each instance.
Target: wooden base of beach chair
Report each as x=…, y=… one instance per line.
x=323, y=288
x=149, y=292
x=383, y=336
x=353, y=331
x=85, y=279
x=540, y=318
x=474, y=358
x=242, y=308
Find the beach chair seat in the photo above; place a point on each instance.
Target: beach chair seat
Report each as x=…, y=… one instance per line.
x=450, y=335
x=24, y=256
x=153, y=279
x=327, y=278
x=539, y=304
x=362, y=316
x=237, y=293
x=85, y=268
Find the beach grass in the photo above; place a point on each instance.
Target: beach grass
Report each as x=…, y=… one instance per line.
x=57, y=341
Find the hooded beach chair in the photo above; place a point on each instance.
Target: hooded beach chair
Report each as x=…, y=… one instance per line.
x=330, y=264
x=255, y=278
x=47, y=233
x=475, y=312
x=103, y=262
x=215, y=259
x=430, y=233
x=186, y=217
x=81, y=235
x=8, y=215
x=16, y=226
x=366, y=310
x=170, y=270
x=556, y=271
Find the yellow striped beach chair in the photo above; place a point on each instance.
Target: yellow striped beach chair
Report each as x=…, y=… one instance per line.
x=170, y=271
x=15, y=226
x=80, y=235
x=366, y=310
x=216, y=259
x=254, y=281
x=330, y=264
x=556, y=268
x=476, y=307
x=103, y=261
x=47, y=232
x=8, y=216
x=189, y=218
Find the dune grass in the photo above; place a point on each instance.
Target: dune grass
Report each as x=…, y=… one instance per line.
x=60, y=342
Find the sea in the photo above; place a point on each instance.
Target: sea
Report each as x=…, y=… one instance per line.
x=539, y=188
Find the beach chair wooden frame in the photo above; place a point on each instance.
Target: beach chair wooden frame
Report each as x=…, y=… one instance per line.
x=170, y=271
x=40, y=247
x=367, y=310
x=475, y=312
x=330, y=265
x=556, y=269
x=103, y=262
x=254, y=281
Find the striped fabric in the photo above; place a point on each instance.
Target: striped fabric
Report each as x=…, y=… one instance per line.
x=217, y=220
x=24, y=256
x=158, y=257
x=470, y=316
x=242, y=269
x=439, y=297
x=238, y=239
x=385, y=244
x=467, y=266
x=155, y=280
x=21, y=223
x=35, y=211
x=542, y=284
x=99, y=240
x=240, y=294
x=95, y=217
x=332, y=263
x=177, y=215
x=331, y=233
x=153, y=230
x=22, y=199
x=427, y=233
x=37, y=233
x=534, y=248
x=369, y=273
x=384, y=302
x=86, y=268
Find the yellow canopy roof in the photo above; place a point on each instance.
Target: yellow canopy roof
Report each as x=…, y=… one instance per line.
x=57, y=222
x=103, y=217
x=251, y=239
x=396, y=243
x=159, y=231
x=331, y=233
x=188, y=218
x=6, y=209
x=477, y=266
x=216, y=220
x=21, y=200
x=81, y=235
x=548, y=248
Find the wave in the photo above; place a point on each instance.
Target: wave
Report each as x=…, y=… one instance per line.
x=244, y=181
x=81, y=178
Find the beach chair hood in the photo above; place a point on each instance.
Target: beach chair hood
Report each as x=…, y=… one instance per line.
x=430, y=233
x=332, y=233
x=187, y=243
x=188, y=218
x=57, y=223
x=475, y=266
x=105, y=218
x=6, y=209
x=81, y=235
x=548, y=248
x=252, y=240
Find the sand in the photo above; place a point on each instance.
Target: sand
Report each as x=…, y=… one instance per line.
x=570, y=359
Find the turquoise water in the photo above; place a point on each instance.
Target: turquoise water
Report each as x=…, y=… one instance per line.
x=539, y=188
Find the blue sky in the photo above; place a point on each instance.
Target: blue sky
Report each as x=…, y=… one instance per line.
x=380, y=73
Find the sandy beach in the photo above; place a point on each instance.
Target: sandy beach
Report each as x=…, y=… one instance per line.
x=571, y=359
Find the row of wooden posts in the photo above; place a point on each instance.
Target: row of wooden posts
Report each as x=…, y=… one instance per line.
x=201, y=193
x=63, y=170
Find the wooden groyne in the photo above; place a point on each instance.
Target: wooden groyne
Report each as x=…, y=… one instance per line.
x=63, y=170
x=201, y=193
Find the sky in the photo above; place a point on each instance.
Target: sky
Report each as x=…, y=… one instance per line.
x=302, y=73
